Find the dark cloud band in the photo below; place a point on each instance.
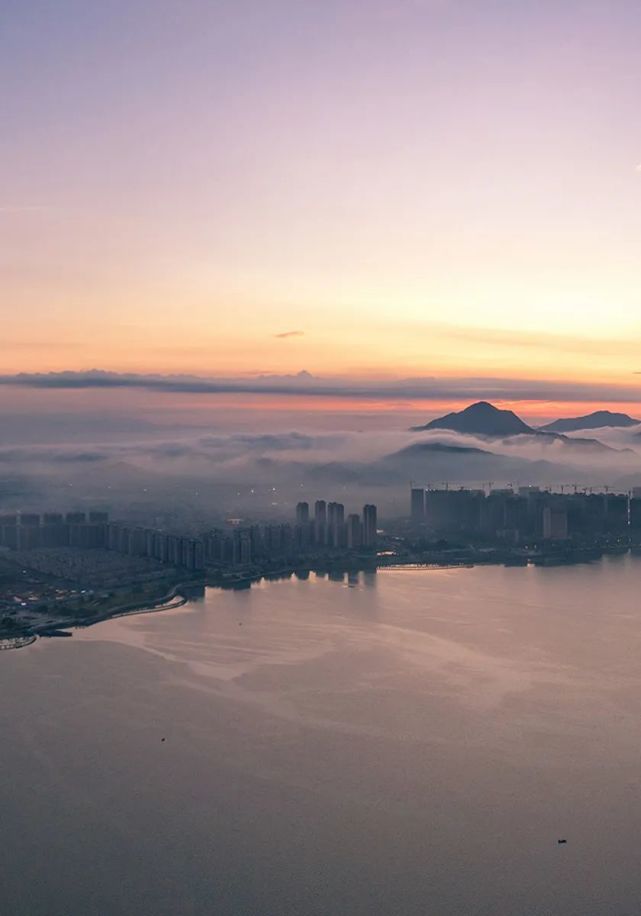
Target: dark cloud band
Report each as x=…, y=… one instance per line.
x=303, y=384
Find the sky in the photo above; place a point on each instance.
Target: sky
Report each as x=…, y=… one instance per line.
x=370, y=189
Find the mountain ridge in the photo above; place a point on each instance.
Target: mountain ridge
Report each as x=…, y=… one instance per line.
x=595, y=420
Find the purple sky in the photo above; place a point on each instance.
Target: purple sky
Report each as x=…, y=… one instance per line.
x=414, y=188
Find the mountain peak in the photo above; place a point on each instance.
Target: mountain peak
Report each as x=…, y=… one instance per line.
x=481, y=418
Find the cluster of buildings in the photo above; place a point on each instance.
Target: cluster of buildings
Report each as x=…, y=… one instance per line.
x=330, y=528
x=526, y=514
x=30, y=531
x=327, y=532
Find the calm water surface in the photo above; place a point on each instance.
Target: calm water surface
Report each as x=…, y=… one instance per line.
x=405, y=743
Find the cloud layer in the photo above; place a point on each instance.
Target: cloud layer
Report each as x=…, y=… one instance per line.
x=201, y=478
x=425, y=388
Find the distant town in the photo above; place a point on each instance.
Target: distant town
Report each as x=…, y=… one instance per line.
x=327, y=532
x=58, y=569
x=63, y=569
x=528, y=514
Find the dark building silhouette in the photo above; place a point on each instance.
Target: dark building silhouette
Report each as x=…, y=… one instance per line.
x=320, y=522
x=616, y=514
x=417, y=508
x=635, y=512
x=30, y=531
x=327, y=534
x=354, y=532
x=453, y=510
x=9, y=531
x=528, y=515
x=555, y=522
x=335, y=523
x=369, y=526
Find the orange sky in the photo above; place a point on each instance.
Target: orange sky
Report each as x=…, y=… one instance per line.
x=452, y=190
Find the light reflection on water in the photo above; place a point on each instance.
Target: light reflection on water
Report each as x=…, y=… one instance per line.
x=408, y=742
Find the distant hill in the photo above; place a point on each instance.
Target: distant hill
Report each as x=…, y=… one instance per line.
x=480, y=419
x=571, y=443
x=596, y=420
x=425, y=461
x=422, y=448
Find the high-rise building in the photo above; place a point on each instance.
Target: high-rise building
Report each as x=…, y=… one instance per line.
x=174, y=549
x=187, y=557
x=369, y=526
x=635, y=511
x=245, y=548
x=320, y=522
x=256, y=540
x=54, y=531
x=272, y=538
x=9, y=531
x=149, y=542
x=555, y=523
x=354, y=532
x=454, y=511
x=198, y=560
x=417, y=504
x=615, y=512
x=302, y=513
x=29, y=532
x=335, y=522
x=161, y=546
x=303, y=536
x=138, y=542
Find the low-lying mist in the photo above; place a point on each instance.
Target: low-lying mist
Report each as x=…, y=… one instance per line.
x=194, y=476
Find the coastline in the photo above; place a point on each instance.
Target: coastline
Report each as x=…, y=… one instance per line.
x=16, y=642
x=173, y=599
x=465, y=558
x=178, y=595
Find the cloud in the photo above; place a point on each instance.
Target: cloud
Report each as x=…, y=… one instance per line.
x=285, y=334
x=424, y=388
x=197, y=481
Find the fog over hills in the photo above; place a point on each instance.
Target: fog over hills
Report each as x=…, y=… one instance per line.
x=486, y=420
x=201, y=468
x=204, y=478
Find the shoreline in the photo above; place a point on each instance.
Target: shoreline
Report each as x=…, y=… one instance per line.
x=16, y=642
x=574, y=556
x=172, y=599
x=177, y=596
